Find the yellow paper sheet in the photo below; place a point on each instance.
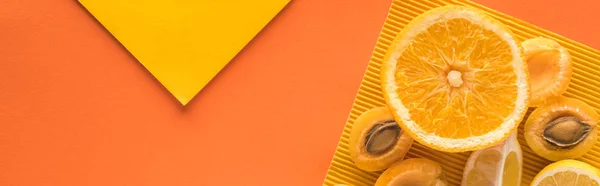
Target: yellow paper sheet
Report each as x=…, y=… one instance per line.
x=184, y=43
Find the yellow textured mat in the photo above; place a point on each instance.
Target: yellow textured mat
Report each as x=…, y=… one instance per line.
x=585, y=85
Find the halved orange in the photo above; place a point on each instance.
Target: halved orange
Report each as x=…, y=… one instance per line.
x=455, y=80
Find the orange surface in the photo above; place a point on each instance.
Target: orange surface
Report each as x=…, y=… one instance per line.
x=77, y=109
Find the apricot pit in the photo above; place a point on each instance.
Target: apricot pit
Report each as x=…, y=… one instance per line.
x=382, y=137
x=566, y=132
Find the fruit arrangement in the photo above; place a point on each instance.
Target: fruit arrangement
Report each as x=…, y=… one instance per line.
x=456, y=80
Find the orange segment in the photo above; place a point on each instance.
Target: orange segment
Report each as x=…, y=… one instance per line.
x=456, y=79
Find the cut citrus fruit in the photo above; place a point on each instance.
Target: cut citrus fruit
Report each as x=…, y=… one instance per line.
x=377, y=141
x=455, y=80
x=567, y=172
x=562, y=129
x=550, y=69
x=495, y=166
x=414, y=171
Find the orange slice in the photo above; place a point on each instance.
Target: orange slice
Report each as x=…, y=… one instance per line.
x=550, y=69
x=455, y=80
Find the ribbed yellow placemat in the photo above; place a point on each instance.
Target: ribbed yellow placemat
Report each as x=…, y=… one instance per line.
x=585, y=85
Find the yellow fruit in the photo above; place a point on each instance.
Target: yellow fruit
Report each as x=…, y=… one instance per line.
x=414, y=172
x=568, y=173
x=456, y=80
x=550, y=69
x=377, y=141
x=500, y=165
x=563, y=129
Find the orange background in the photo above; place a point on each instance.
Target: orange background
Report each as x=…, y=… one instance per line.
x=77, y=109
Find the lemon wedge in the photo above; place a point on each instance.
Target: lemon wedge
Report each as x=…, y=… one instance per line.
x=498, y=165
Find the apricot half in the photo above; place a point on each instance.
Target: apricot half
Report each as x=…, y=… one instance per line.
x=562, y=129
x=414, y=172
x=377, y=141
x=550, y=69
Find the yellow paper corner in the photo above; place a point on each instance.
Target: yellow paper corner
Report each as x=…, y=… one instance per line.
x=184, y=44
